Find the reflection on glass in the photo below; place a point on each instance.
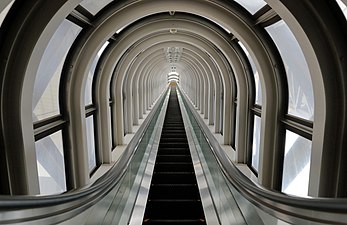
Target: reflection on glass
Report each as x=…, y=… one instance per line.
x=258, y=93
x=343, y=7
x=89, y=83
x=94, y=6
x=91, y=143
x=301, y=101
x=296, y=167
x=50, y=164
x=46, y=98
x=4, y=12
x=251, y=5
x=256, y=143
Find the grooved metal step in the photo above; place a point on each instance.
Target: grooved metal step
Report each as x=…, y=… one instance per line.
x=174, y=166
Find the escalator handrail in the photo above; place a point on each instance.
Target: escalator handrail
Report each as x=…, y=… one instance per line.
x=262, y=197
x=79, y=197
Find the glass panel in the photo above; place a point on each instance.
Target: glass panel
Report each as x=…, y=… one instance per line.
x=258, y=90
x=89, y=83
x=91, y=142
x=256, y=142
x=301, y=101
x=4, y=12
x=46, y=90
x=94, y=6
x=252, y=5
x=50, y=164
x=296, y=167
x=343, y=7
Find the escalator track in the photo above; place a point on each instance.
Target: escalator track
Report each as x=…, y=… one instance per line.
x=174, y=196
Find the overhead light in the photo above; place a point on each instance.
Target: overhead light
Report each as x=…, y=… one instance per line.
x=172, y=13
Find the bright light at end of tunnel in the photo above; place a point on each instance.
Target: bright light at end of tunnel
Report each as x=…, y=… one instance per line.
x=173, y=77
x=173, y=73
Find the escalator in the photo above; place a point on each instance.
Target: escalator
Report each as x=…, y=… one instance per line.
x=158, y=163
x=174, y=195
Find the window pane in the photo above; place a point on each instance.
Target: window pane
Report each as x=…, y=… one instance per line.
x=256, y=143
x=258, y=93
x=89, y=83
x=251, y=5
x=46, y=90
x=4, y=12
x=343, y=7
x=91, y=143
x=94, y=6
x=301, y=101
x=296, y=167
x=50, y=164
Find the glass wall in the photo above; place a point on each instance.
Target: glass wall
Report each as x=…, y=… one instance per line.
x=256, y=143
x=254, y=149
x=4, y=12
x=50, y=164
x=258, y=89
x=343, y=7
x=46, y=90
x=301, y=101
x=94, y=6
x=45, y=104
x=91, y=143
x=258, y=93
x=88, y=90
x=297, y=156
x=296, y=168
x=251, y=5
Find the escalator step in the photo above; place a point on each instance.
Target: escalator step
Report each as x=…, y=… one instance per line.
x=174, y=158
x=175, y=135
x=177, y=126
x=174, y=209
x=174, y=167
x=173, y=122
x=173, y=178
x=173, y=127
x=175, y=222
x=173, y=151
x=173, y=140
x=171, y=132
x=173, y=145
x=169, y=191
